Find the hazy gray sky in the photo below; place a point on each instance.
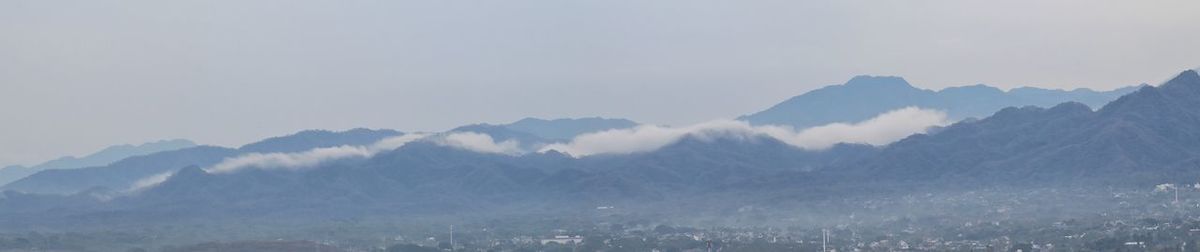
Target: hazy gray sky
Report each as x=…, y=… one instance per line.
x=76, y=76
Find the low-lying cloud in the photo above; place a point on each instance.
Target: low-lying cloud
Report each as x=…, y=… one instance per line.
x=290, y=161
x=880, y=130
x=883, y=129
x=309, y=158
x=150, y=181
x=471, y=141
x=479, y=142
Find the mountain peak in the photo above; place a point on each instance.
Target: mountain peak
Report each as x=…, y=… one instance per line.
x=530, y=120
x=1180, y=90
x=972, y=90
x=1187, y=78
x=309, y=139
x=878, y=81
x=191, y=171
x=1070, y=108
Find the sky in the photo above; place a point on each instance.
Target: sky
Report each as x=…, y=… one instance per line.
x=76, y=76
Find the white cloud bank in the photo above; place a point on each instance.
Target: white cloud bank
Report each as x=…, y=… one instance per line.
x=471, y=141
x=150, y=181
x=309, y=158
x=883, y=129
x=479, y=142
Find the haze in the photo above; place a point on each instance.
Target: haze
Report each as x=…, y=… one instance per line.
x=79, y=75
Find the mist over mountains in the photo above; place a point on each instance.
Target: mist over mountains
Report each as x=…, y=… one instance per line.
x=860, y=99
x=599, y=126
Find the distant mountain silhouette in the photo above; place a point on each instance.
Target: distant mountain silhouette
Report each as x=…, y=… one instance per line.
x=864, y=97
x=309, y=139
x=566, y=129
x=102, y=157
x=118, y=175
x=122, y=174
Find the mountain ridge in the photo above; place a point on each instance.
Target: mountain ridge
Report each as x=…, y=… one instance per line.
x=864, y=96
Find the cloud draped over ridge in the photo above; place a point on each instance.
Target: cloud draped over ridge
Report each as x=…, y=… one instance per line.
x=883, y=129
x=150, y=181
x=479, y=142
x=471, y=141
x=880, y=130
x=309, y=158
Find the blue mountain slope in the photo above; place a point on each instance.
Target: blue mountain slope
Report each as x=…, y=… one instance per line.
x=1149, y=136
x=119, y=175
x=309, y=139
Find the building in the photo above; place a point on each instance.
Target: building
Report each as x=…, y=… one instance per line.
x=563, y=239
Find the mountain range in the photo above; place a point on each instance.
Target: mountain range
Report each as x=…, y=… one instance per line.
x=531, y=132
x=1143, y=138
x=861, y=98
